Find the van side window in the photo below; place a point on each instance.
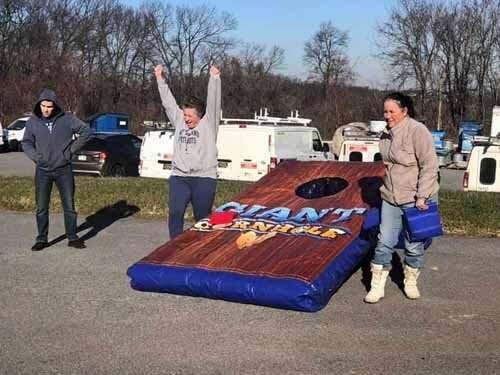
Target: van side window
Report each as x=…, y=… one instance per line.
x=487, y=171
x=317, y=145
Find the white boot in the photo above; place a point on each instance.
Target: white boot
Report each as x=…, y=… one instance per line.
x=411, y=276
x=379, y=277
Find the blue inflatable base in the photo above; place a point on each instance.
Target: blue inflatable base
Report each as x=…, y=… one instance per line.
x=285, y=293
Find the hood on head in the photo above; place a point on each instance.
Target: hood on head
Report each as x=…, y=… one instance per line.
x=48, y=95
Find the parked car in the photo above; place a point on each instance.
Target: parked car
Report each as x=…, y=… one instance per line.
x=109, y=155
x=15, y=133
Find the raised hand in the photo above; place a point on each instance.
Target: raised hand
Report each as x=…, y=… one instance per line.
x=214, y=71
x=158, y=70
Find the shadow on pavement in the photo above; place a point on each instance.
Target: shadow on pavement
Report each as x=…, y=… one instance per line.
x=102, y=219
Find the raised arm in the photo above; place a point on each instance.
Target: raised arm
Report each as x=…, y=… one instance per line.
x=174, y=113
x=212, y=112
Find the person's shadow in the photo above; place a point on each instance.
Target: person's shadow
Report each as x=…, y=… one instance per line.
x=102, y=219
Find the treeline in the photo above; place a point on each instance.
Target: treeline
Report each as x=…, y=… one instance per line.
x=449, y=51
x=99, y=54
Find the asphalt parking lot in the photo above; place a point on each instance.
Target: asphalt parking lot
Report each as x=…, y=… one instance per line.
x=67, y=311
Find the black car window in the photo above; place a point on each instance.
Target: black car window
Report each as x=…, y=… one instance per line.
x=94, y=144
x=18, y=125
x=123, y=143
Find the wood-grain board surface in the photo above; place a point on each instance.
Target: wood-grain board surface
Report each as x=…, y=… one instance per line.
x=291, y=256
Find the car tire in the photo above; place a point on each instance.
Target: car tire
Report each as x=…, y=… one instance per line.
x=15, y=146
x=115, y=170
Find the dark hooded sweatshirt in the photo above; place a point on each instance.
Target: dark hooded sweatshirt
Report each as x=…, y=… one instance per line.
x=49, y=141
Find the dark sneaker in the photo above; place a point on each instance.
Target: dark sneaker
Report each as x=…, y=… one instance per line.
x=77, y=244
x=39, y=246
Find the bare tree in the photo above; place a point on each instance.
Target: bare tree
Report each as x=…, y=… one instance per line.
x=464, y=41
x=487, y=35
x=325, y=53
x=256, y=59
x=407, y=44
x=443, y=50
x=189, y=39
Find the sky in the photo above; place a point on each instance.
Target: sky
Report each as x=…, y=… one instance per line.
x=289, y=24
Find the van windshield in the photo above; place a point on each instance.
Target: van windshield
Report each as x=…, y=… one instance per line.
x=292, y=143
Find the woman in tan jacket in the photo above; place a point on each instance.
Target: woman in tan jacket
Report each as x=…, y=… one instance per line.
x=411, y=180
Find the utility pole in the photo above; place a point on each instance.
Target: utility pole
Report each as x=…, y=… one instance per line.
x=440, y=101
x=439, y=108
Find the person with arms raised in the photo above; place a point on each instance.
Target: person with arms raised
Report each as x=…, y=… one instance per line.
x=194, y=164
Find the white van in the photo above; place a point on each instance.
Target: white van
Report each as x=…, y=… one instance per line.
x=249, y=148
x=156, y=154
x=483, y=167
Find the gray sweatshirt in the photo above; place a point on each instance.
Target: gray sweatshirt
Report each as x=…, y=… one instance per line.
x=195, y=150
x=49, y=142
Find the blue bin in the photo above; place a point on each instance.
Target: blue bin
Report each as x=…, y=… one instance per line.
x=109, y=123
x=438, y=137
x=421, y=225
x=471, y=126
x=466, y=142
x=466, y=132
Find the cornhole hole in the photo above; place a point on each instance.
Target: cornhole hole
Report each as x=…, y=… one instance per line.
x=289, y=241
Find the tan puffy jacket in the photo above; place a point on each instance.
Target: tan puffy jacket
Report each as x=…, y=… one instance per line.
x=411, y=164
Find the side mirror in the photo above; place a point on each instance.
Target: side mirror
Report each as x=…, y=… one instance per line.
x=326, y=148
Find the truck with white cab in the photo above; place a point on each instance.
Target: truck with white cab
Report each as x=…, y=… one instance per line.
x=483, y=167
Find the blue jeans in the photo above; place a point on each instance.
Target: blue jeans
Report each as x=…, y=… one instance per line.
x=63, y=178
x=391, y=224
x=200, y=191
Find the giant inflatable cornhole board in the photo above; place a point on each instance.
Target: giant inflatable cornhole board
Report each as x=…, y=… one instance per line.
x=289, y=241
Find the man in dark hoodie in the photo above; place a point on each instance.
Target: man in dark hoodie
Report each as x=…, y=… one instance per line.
x=48, y=141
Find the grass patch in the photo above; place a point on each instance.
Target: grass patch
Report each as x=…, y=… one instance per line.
x=464, y=213
x=475, y=214
x=93, y=194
